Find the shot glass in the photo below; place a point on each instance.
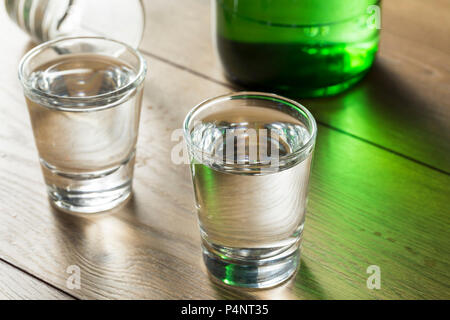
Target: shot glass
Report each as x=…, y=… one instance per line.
x=250, y=157
x=84, y=99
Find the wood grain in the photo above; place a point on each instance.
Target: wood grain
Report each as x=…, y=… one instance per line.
x=17, y=285
x=402, y=105
x=367, y=206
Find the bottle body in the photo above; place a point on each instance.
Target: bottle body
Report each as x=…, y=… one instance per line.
x=304, y=48
x=46, y=20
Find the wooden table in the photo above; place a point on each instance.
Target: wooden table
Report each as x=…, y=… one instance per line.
x=379, y=191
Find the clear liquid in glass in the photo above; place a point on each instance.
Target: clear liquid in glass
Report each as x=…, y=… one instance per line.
x=87, y=148
x=251, y=215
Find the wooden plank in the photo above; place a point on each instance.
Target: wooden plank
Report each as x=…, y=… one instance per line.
x=403, y=104
x=367, y=206
x=17, y=285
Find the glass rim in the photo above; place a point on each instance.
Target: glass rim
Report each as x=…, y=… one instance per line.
x=243, y=95
x=135, y=82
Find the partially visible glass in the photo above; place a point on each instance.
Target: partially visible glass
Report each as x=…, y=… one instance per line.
x=300, y=48
x=84, y=100
x=250, y=158
x=43, y=20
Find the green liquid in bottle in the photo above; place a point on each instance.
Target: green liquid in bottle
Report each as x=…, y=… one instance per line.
x=300, y=48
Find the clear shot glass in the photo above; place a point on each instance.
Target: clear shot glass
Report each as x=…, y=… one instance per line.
x=84, y=99
x=250, y=157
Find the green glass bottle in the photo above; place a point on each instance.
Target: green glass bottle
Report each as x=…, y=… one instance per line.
x=300, y=48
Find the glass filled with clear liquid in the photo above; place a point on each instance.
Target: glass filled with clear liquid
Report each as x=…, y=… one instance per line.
x=250, y=157
x=84, y=99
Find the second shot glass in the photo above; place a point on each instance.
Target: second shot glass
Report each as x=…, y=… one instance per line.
x=84, y=99
x=250, y=159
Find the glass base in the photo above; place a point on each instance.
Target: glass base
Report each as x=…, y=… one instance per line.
x=90, y=193
x=327, y=91
x=89, y=202
x=303, y=92
x=261, y=273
